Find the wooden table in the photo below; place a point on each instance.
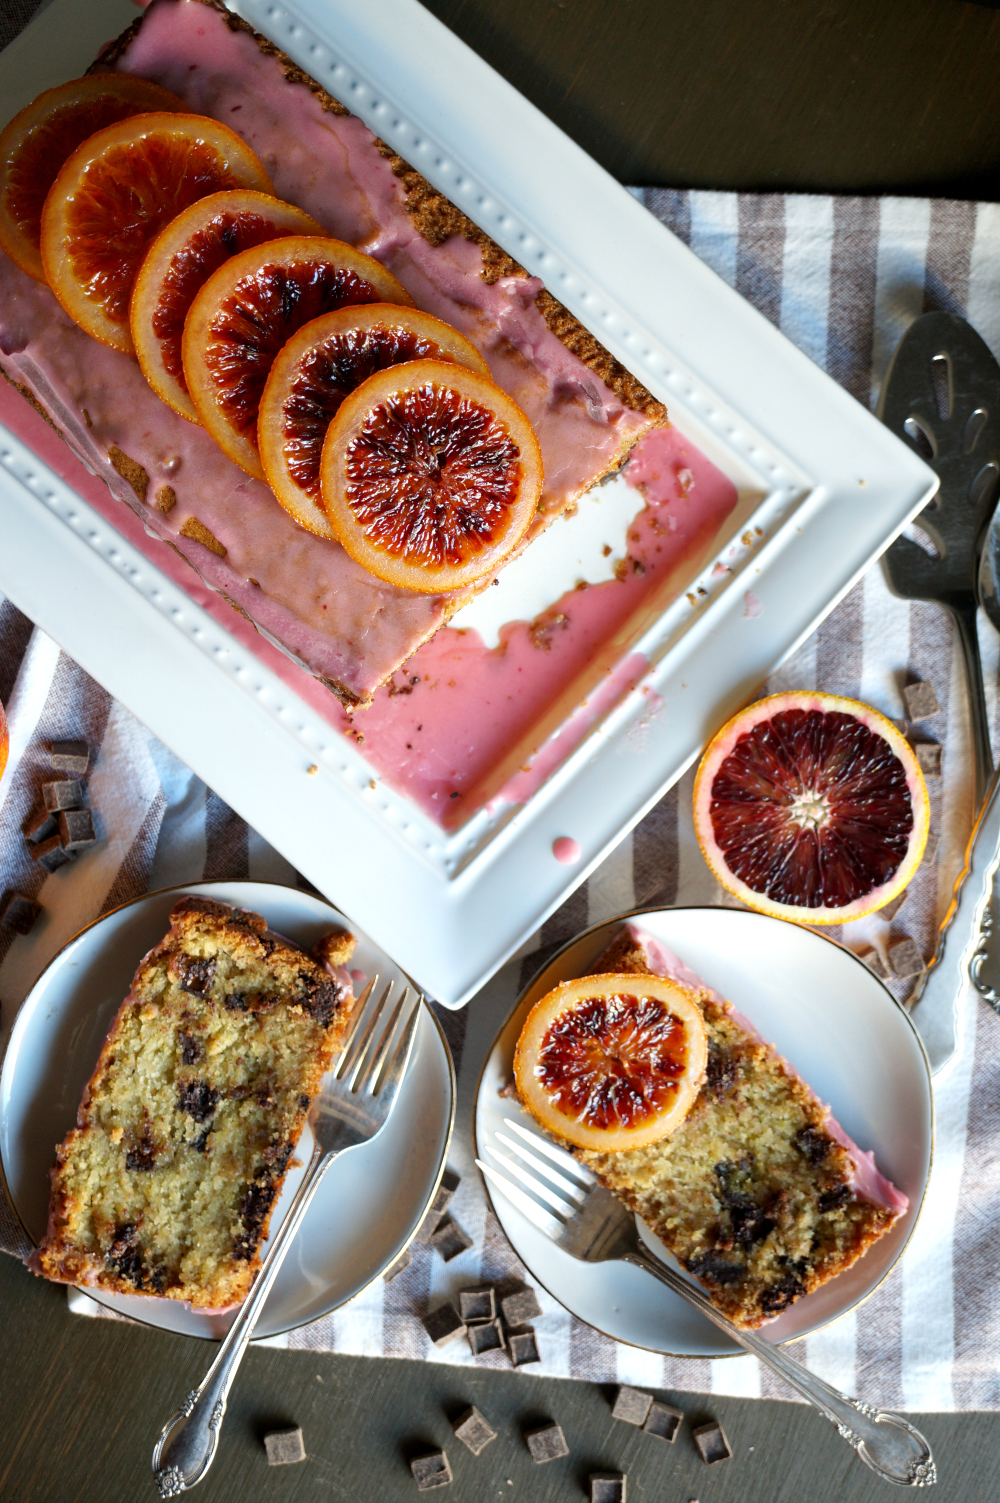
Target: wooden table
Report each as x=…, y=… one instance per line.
x=841, y=96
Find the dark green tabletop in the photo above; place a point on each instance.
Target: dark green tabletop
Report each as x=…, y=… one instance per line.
x=834, y=95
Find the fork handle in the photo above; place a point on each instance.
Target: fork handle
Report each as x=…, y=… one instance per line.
x=884, y=1441
x=187, y=1442
x=963, y=613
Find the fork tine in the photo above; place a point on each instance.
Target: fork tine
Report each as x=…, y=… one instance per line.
x=348, y=1065
x=557, y=1155
x=528, y=1207
x=568, y=1187
x=523, y=1177
x=375, y=1063
x=386, y=1085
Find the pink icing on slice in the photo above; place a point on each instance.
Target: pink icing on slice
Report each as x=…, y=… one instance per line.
x=567, y=850
x=866, y=1180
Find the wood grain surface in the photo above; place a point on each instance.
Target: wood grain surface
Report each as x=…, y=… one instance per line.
x=834, y=95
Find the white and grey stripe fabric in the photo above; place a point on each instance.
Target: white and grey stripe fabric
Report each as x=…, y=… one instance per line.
x=842, y=277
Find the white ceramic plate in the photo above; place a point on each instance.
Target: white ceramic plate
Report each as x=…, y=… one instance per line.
x=823, y=488
x=844, y=1033
x=370, y=1202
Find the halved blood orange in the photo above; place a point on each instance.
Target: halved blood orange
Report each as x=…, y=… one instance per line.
x=37, y=142
x=811, y=807
x=113, y=197
x=430, y=475
x=180, y=261
x=318, y=367
x=611, y=1062
x=249, y=309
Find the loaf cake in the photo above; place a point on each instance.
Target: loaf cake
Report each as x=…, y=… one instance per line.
x=189, y=1121
x=759, y=1193
x=303, y=592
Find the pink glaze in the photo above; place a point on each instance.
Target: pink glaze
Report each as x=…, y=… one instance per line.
x=753, y=607
x=567, y=850
x=866, y=1180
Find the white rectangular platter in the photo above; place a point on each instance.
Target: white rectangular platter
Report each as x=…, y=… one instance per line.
x=823, y=487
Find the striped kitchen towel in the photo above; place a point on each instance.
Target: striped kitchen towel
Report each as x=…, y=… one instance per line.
x=842, y=278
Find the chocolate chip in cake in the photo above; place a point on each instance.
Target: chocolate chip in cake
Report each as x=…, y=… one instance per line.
x=921, y=701
x=779, y=1296
x=711, y=1442
x=18, y=912
x=520, y=1307
x=721, y=1071
x=41, y=826
x=473, y=1430
x=76, y=829
x=141, y=1156
x=50, y=854
x=449, y=1239
x=546, y=1442
x=321, y=996
x=750, y=1224
x=254, y=1209
x=834, y=1198
x=485, y=1336
x=478, y=1304
x=663, y=1421
x=715, y=1268
x=631, y=1405
x=69, y=756
x=198, y=1099
x=191, y=1048
x=194, y=973
x=284, y=1447
x=443, y=1324
x=608, y=1487
x=905, y=958
x=399, y=1266
x=123, y=1255
x=813, y=1143
x=435, y=1212
x=62, y=793
x=432, y=1469
x=522, y=1347
x=928, y=755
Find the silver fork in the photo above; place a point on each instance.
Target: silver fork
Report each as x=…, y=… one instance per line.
x=354, y=1104
x=589, y=1223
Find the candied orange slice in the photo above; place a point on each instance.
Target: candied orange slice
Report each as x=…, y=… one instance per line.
x=318, y=367
x=178, y=264
x=113, y=197
x=430, y=475
x=37, y=142
x=249, y=309
x=611, y=1062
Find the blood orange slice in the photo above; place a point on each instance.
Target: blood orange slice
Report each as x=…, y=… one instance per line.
x=37, y=142
x=317, y=369
x=250, y=308
x=611, y=1062
x=811, y=807
x=430, y=475
x=113, y=197
x=180, y=261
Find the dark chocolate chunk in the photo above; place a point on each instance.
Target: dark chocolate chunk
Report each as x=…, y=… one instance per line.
x=478, y=1304
x=433, y=1469
x=63, y=793
x=715, y=1268
x=663, y=1421
x=141, y=1155
x=191, y=1048
x=321, y=996
x=921, y=701
x=443, y=1324
x=520, y=1308
x=485, y=1336
x=198, y=1099
x=50, y=854
x=813, y=1144
x=69, y=756
x=546, y=1442
x=18, y=912
x=235, y=1001
x=721, y=1071
x=435, y=1212
x=194, y=973
x=608, y=1487
x=631, y=1405
x=401, y=1264
x=284, y=1447
x=41, y=826
x=123, y=1256
x=750, y=1224
x=76, y=829
x=473, y=1430
x=256, y=1204
x=303, y=1102
x=833, y=1199
x=522, y=1347
x=711, y=1442
x=782, y=1294
x=449, y=1239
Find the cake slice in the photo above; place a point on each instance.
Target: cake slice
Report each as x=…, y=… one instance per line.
x=759, y=1193
x=189, y=1121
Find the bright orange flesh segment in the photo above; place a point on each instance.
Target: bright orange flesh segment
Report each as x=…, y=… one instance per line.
x=178, y=264
x=113, y=197
x=321, y=365
x=249, y=309
x=430, y=475
x=811, y=807
x=36, y=143
x=611, y=1062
